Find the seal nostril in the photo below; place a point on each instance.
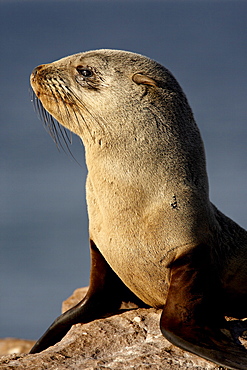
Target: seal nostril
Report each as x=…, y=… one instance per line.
x=37, y=69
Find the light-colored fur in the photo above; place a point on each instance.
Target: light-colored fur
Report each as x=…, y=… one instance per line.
x=147, y=188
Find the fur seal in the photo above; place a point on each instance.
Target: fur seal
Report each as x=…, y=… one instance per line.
x=155, y=237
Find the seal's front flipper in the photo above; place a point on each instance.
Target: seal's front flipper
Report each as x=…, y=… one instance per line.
x=105, y=295
x=192, y=318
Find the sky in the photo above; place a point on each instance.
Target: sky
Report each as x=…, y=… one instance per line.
x=44, y=252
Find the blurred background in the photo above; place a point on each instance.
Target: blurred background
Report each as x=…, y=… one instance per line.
x=44, y=251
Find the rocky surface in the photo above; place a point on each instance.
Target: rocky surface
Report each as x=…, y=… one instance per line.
x=128, y=340
x=14, y=345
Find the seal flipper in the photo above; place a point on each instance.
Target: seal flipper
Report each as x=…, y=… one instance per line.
x=105, y=295
x=192, y=318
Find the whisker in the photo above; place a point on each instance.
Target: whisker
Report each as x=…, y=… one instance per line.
x=60, y=136
x=71, y=97
x=59, y=129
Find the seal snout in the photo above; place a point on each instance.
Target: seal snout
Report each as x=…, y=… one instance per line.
x=35, y=73
x=37, y=69
x=35, y=78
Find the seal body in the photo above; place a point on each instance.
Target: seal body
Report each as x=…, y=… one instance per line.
x=155, y=236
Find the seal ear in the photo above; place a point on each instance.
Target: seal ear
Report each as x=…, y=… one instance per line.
x=139, y=78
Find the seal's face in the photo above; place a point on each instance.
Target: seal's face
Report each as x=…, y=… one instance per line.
x=65, y=89
x=89, y=92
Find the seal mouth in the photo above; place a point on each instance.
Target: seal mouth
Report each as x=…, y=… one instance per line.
x=59, y=134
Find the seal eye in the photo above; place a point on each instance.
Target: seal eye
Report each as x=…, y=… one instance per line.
x=85, y=72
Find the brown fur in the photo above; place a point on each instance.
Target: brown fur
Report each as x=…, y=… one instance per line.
x=150, y=217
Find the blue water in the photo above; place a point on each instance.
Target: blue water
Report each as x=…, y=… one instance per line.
x=44, y=241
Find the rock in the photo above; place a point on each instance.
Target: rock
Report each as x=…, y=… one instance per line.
x=128, y=340
x=14, y=345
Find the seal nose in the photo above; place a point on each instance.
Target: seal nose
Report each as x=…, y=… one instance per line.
x=37, y=69
x=35, y=75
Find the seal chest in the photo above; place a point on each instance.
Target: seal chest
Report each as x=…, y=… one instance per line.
x=155, y=237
